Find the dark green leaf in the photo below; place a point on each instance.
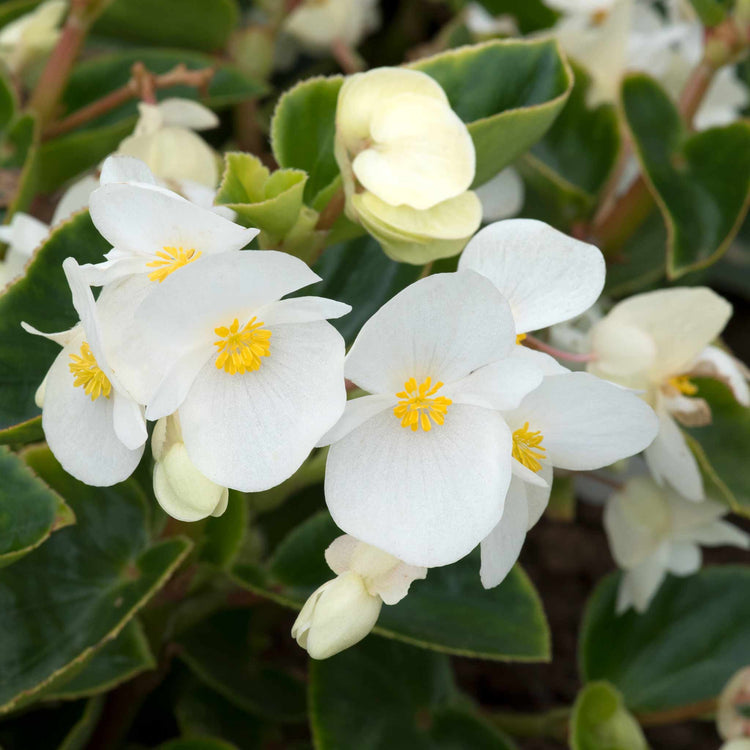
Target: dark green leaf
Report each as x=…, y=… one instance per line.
x=12, y=9
x=223, y=536
x=81, y=588
x=26, y=432
x=683, y=649
x=600, y=720
x=710, y=12
x=722, y=444
x=701, y=181
x=199, y=24
x=384, y=694
x=41, y=298
x=29, y=510
x=18, y=155
x=220, y=653
x=531, y=15
x=450, y=611
x=7, y=102
x=197, y=743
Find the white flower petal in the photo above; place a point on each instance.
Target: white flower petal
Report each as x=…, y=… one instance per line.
x=121, y=168
x=302, y=310
x=357, y=411
x=501, y=197
x=716, y=363
x=24, y=234
x=61, y=338
x=443, y=327
x=427, y=498
x=546, y=276
x=537, y=495
x=530, y=477
x=623, y=352
x=643, y=581
x=252, y=431
x=669, y=458
x=548, y=365
x=684, y=558
x=586, y=422
x=719, y=533
x=144, y=219
x=339, y=553
x=80, y=432
x=187, y=114
x=74, y=199
x=501, y=548
x=128, y=421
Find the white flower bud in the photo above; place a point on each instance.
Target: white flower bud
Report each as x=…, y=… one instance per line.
x=181, y=490
x=733, y=711
x=31, y=37
x=316, y=24
x=338, y=615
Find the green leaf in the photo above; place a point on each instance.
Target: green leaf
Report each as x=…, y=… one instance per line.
x=701, y=181
x=359, y=273
x=29, y=510
x=26, y=432
x=223, y=536
x=721, y=446
x=7, y=102
x=450, y=611
x=12, y=9
x=65, y=727
x=41, y=298
x=531, y=15
x=682, y=650
x=583, y=143
x=81, y=588
x=271, y=202
x=600, y=721
x=18, y=155
x=303, y=129
x=197, y=743
x=385, y=694
x=202, y=712
x=199, y=24
x=710, y=12
x=506, y=114
x=220, y=653
x=117, y=661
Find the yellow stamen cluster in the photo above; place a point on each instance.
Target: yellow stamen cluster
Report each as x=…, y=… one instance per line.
x=527, y=448
x=240, y=350
x=520, y=337
x=684, y=385
x=87, y=375
x=417, y=407
x=170, y=259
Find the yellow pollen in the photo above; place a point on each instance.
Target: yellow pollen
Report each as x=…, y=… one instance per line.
x=170, y=260
x=520, y=337
x=684, y=385
x=417, y=407
x=527, y=447
x=87, y=375
x=240, y=350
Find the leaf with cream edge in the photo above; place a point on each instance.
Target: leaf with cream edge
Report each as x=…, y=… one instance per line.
x=29, y=510
x=505, y=114
x=356, y=702
x=701, y=182
x=504, y=624
x=81, y=588
x=681, y=651
x=42, y=296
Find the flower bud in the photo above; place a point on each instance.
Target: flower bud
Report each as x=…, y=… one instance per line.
x=181, y=490
x=338, y=615
x=733, y=712
x=317, y=24
x=31, y=37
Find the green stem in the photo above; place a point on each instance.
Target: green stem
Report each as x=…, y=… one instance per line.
x=552, y=724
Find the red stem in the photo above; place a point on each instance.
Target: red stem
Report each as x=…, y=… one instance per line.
x=541, y=346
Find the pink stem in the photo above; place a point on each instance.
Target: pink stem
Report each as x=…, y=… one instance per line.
x=535, y=343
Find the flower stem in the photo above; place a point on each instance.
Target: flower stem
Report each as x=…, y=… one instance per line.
x=349, y=61
x=535, y=343
x=552, y=724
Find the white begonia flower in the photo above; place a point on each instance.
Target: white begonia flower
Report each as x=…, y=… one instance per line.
x=733, y=710
x=95, y=429
x=28, y=39
x=165, y=139
x=653, y=530
x=407, y=162
x=257, y=380
x=571, y=421
x=317, y=24
x=738, y=744
x=181, y=490
x=501, y=197
x=653, y=342
x=154, y=233
x=343, y=611
x=482, y=23
x=585, y=7
x=420, y=469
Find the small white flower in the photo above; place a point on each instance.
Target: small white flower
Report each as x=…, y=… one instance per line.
x=653, y=342
x=257, y=380
x=31, y=37
x=165, y=139
x=732, y=718
x=181, y=490
x=420, y=468
x=154, y=233
x=92, y=424
x=343, y=611
x=652, y=530
x=317, y=24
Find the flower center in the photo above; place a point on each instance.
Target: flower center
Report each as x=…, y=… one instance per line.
x=87, y=375
x=240, y=350
x=170, y=259
x=520, y=338
x=527, y=447
x=684, y=385
x=417, y=408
